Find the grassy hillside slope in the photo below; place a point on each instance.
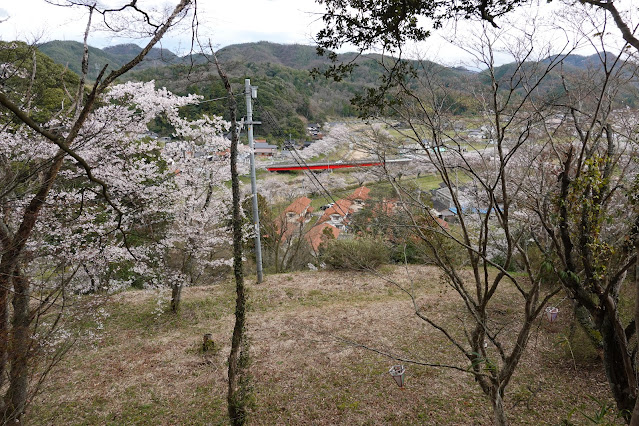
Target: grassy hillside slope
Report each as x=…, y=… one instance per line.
x=146, y=367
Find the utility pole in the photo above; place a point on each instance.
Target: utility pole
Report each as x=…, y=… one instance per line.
x=251, y=93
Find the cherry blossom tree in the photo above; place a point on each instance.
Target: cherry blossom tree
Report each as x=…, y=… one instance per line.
x=277, y=189
x=200, y=209
x=82, y=185
x=336, y=138
x=363, y=175
x=163, y=223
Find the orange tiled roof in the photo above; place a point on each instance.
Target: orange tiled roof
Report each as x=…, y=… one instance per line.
x=341, y=207
x=298, y=206
x=314, y=236
x=360, y=193
x=442, y=223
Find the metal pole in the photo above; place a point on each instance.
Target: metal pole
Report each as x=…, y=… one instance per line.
x=256, y=216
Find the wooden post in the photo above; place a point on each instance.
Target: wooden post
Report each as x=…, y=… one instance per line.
x=207, y=342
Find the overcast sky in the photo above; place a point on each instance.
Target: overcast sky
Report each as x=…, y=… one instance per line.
x=223, y=22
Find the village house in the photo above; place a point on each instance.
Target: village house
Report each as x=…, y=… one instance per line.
x=468, y=200
x=317, y=235
x=337, y=215
x=314, y=129
x=359, y=198
x=264, y=149
x=294, y=217
x=442, y=200
x=299, y=211
x=333, y=221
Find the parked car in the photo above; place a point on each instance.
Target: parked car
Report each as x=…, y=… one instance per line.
x=327, y=206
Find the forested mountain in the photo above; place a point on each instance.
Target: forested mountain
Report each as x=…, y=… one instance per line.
x=570, y=73
x=69, y=53
x=288, y=96
x=50, y=79
x=289, y=55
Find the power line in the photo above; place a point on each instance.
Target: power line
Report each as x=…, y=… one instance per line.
x=310, y=172
x=219, y=99
x=312, y=175
x=194, y=104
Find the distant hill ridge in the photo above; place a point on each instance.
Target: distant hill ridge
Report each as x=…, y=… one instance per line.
x=288, y=96
x=69, y=53
x=296, y=56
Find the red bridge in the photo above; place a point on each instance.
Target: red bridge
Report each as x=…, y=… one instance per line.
x=285, y=167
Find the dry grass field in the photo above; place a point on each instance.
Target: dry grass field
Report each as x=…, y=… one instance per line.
x=147, y=368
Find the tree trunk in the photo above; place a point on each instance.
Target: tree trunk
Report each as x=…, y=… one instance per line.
x=616, y=356
x=236, y=397
x=277, y=256
x=5, y=283
x=583, y=317
x=8, y=268
x=498, y=408
x=634, y=421
x=16, y=397
x=176, y=297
